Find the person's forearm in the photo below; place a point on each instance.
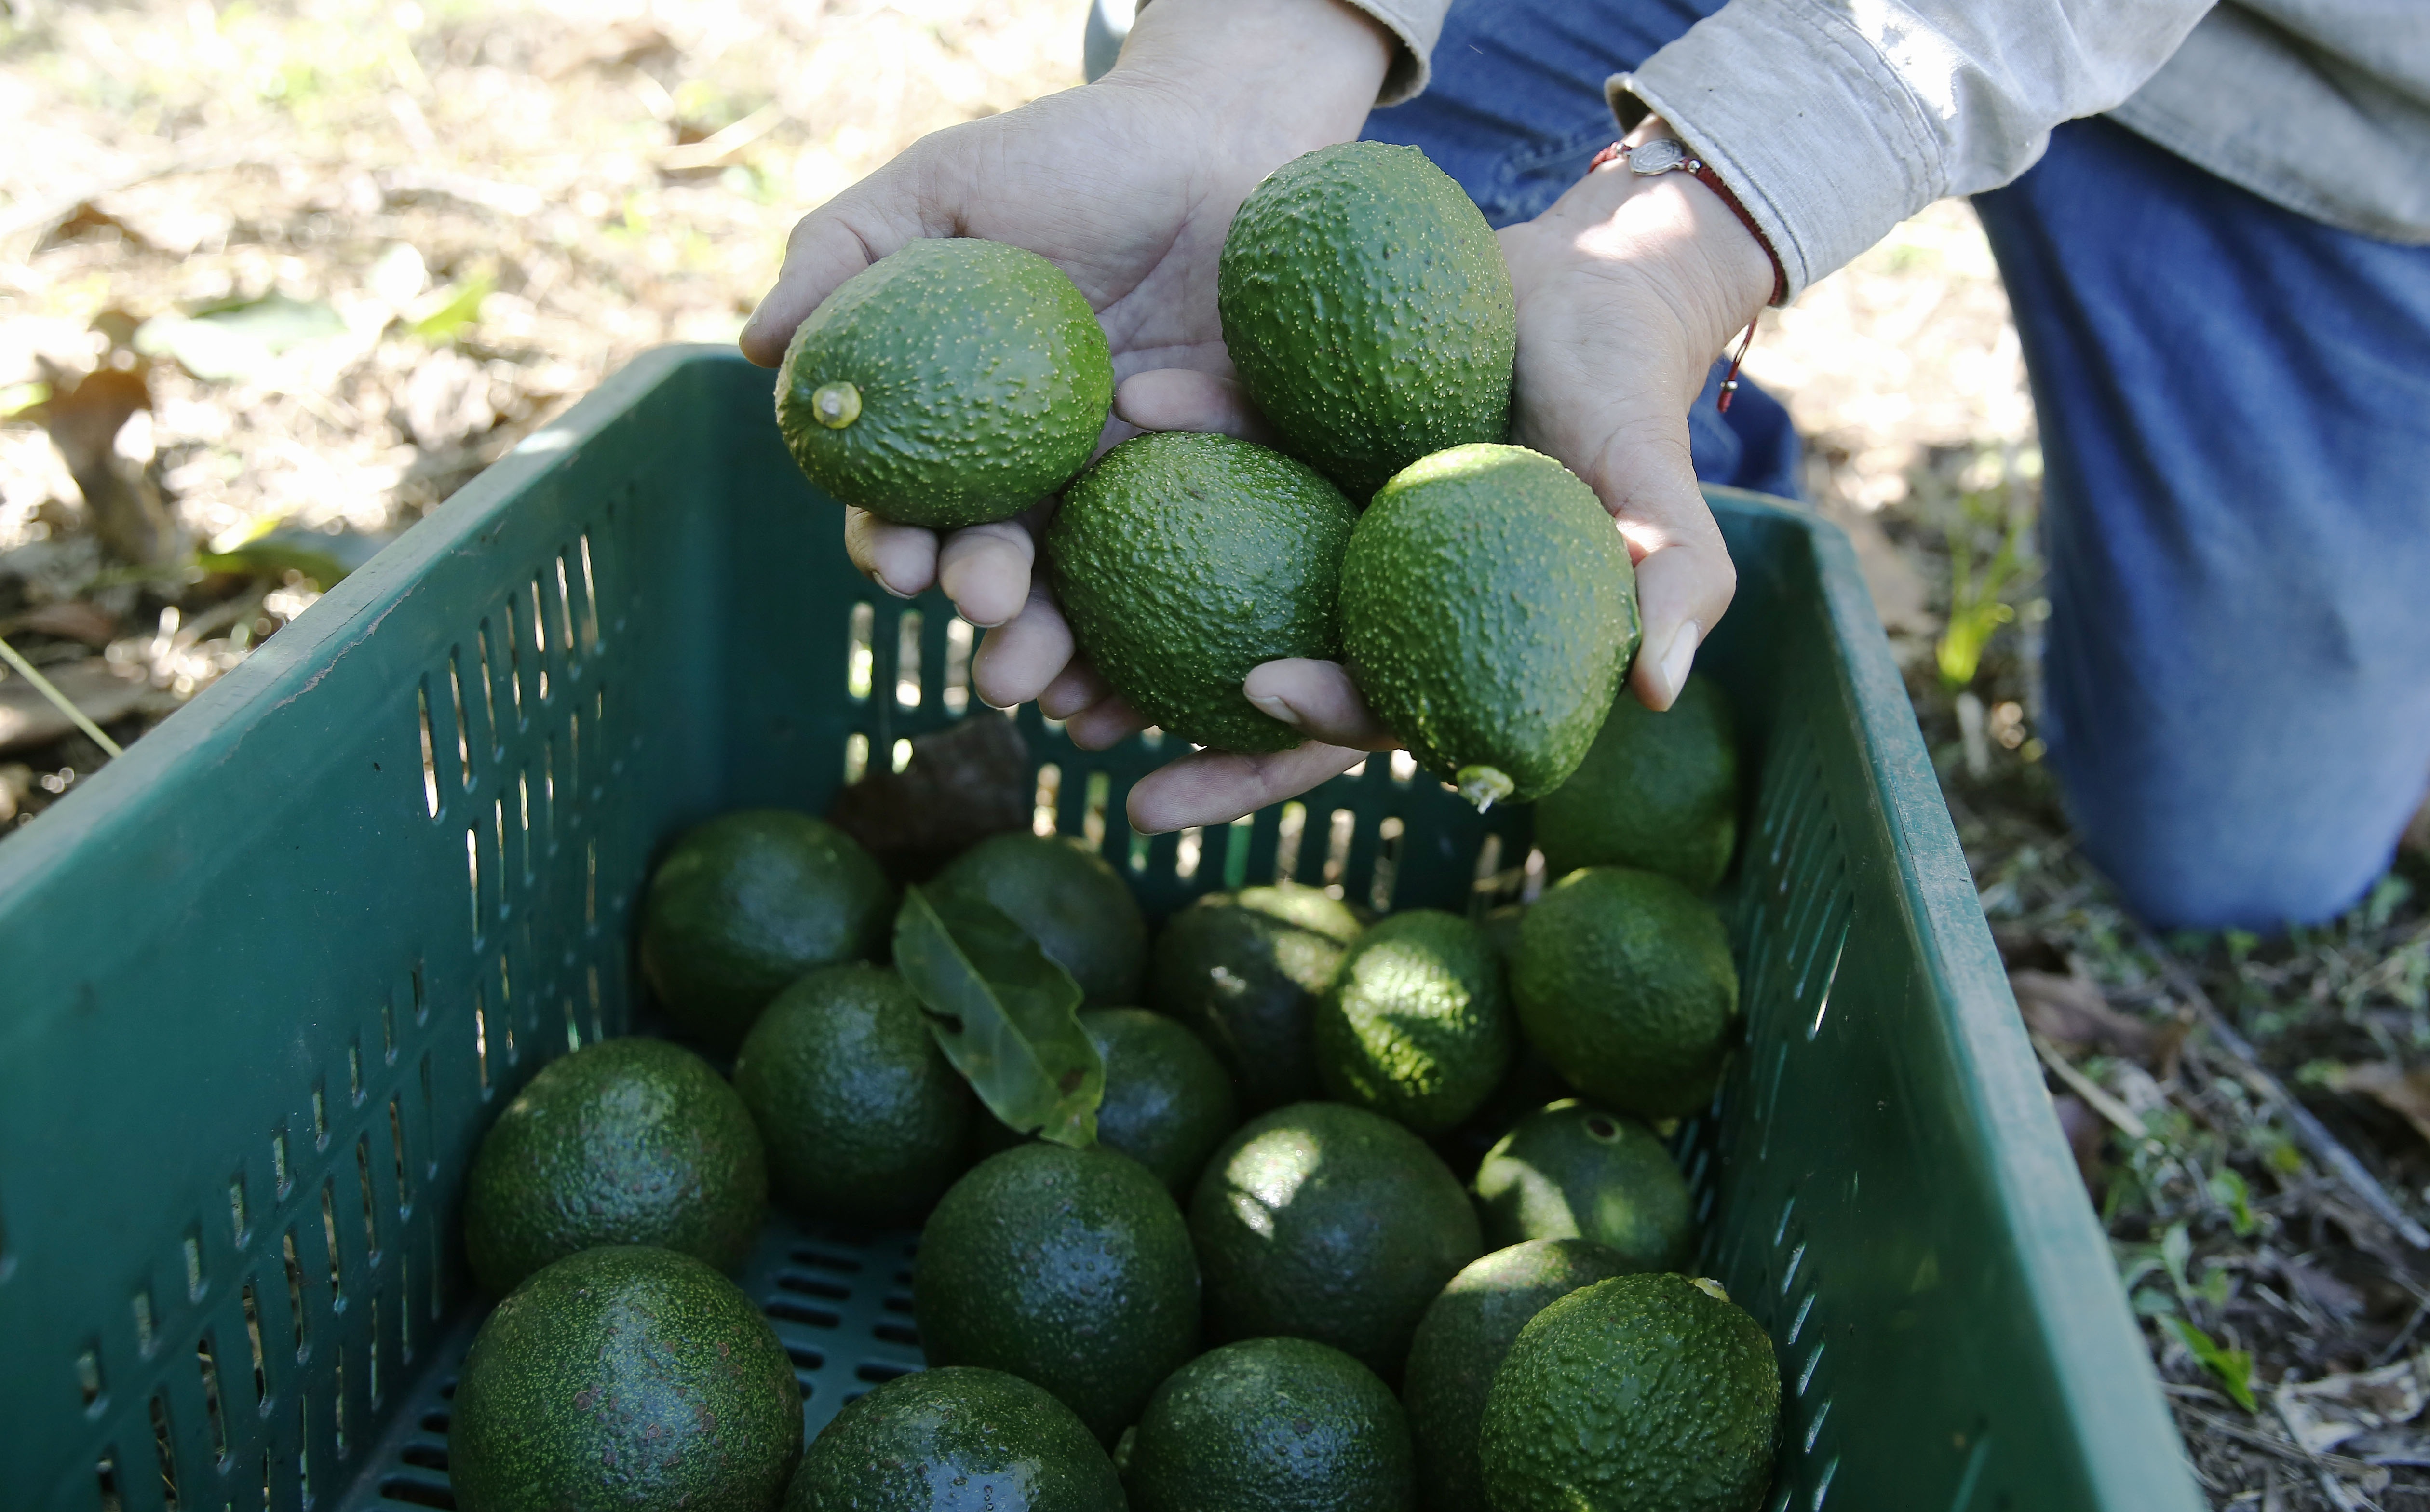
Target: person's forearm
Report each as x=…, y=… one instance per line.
x=1303, y=73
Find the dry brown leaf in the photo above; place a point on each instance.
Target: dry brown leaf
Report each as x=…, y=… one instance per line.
x=2327, y=1412
x=72, y=620
x=28, y=718
x=2069, y=1011
x=2404, y=1093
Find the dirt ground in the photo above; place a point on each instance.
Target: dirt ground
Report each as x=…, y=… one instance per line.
x=276, y=278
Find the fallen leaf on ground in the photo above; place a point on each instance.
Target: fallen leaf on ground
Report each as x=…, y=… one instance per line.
x=29, y=719
x=2404, y=1093
x=2327, y=1412
x=2071, y=1012
x=72, y=620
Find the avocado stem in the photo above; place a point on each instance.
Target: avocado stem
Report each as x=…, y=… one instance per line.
x=1484, y=786
x=836, y=404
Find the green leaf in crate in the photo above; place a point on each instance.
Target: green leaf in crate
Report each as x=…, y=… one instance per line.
x=2234, y=1367
x=1006, y=1015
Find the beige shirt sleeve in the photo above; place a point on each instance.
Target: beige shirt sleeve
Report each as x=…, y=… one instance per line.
x=1417, y=24
x=1835, y=120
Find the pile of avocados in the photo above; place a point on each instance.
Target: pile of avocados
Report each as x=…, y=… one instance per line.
x=1281, y=1205
x=1477, y=592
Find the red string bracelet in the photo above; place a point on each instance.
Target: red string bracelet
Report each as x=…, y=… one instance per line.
x=1665, y=155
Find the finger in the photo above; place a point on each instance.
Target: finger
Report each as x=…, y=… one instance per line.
x=874, y=218
x=985, y=570
x=1318, y=699
x=1017, y=659
x=1685, y=580
x=1103, y=723
x=901, y=559
x=1184, y=399
x=1217, y=786
x=1075, y=688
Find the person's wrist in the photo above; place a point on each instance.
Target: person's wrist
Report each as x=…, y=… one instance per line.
x=1738, y=261
x=1288, y=76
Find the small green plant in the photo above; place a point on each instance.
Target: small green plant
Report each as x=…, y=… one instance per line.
x=1979, y=603
x=2234, y=1367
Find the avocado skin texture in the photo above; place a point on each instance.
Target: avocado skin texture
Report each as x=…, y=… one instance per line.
x=1270, y=1425
x=626, y=1141
x=1656, y=792
x=1168, y=1103
x=1068, y=1268
x=1488, y=613
x=1184, y=560
x=984, y=381
x=1641, y=1391
x=1415, y=1026
x=1570, y=1169
x=1367, y=311
x=1460, y=1343
x=1244, y=969
x=1066, y=897
x=864, y=1115
x=956, y=1440
x=625, y=1377
x=1325, y=1221
x=1624, y=981
x=749, y=901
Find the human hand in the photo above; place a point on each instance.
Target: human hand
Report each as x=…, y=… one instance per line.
x=1128, y=184
x=1628, y=288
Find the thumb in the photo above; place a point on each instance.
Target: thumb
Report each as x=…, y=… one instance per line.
x=874, y=218
x=1684, y=580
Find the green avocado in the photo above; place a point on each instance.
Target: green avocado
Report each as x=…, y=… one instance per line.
x=1244, y=969
x=1656, y=792
x=1460, y=1343
x=1642, y=1391
x=1415, y=1026
x=955, y=382
x=1184, y=560
x=1488, y=613
x=1270, y=1425
x=1066, y=897
x=1570, y=1169
x=627, y=1141
x=1367, y=311
x=864, y=1115
x=623, y=1376
x=1168, y=1104
x=1329, y=1223
x=956, y=1439
x=749, y=901
x=1625, y=982
x=1068, y=1268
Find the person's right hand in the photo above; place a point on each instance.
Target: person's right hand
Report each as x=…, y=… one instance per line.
x=1128, y=184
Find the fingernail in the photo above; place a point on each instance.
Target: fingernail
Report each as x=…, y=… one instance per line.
x=1680, y=657
x=1277, y=708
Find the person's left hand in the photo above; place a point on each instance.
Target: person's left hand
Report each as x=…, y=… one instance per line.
x=1628, y=288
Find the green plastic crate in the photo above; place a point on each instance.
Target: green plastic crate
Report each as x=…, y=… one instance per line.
x=264, y=981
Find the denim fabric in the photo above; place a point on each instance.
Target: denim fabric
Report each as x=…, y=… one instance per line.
x=2235, y=410
x=1515, y=113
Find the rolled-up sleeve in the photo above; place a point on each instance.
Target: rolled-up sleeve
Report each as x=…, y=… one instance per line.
x=1417, y=24
x=1835, y=120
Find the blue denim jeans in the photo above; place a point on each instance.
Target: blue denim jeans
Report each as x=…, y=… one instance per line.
x=2235, y=411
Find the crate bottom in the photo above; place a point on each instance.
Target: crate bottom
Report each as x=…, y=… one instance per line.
x=840, y=1298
